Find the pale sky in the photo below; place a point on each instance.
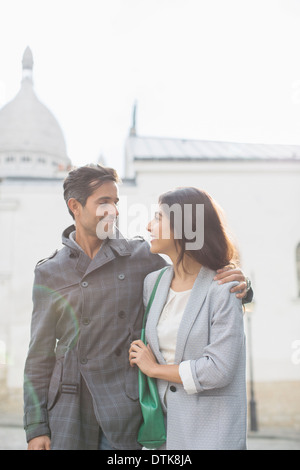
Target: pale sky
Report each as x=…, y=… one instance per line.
x=203, y=69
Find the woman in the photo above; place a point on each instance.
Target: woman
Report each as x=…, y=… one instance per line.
x=195, y=333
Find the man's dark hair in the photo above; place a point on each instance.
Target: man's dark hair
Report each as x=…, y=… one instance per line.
x=83, y=181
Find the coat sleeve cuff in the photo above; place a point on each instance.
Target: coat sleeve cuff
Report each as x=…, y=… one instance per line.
x=186, y=376
x=36, y=430
x=36, y=424
x=248, y=297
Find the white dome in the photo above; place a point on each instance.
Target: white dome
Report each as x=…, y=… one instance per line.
x=29, y=133
x=27, y=125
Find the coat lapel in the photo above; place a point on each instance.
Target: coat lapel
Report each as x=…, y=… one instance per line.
x=110, y=249
x=193, y=307
x=155, y=311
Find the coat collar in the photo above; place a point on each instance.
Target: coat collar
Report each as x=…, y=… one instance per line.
x=193, y=307
x=108, y=251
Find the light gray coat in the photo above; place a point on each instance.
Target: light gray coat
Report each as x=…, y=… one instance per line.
x=211, y=335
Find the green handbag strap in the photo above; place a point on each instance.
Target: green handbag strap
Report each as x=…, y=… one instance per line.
x=150, y=303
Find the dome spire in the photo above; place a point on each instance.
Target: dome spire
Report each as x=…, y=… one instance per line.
x=27, y=64
x=133, y=126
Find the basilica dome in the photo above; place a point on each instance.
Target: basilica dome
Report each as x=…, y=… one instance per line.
x=31, y=140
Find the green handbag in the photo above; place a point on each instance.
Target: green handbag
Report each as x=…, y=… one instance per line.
x=152, y=433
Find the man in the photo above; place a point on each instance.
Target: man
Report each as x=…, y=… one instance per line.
x=80, y=391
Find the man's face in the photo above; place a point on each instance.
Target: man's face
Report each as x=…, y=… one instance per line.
x=99, y=214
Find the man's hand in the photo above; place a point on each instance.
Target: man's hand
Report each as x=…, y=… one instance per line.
x=229, y=274
x=39, y=443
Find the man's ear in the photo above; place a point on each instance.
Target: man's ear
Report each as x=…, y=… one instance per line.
x=74, y=206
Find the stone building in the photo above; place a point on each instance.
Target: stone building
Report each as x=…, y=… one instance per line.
x=33, y=163
x=258, y=187
x=31, y=141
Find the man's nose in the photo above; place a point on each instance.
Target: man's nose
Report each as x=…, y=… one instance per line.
x=149, y=226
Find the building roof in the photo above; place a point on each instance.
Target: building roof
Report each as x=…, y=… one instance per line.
x=162, y=148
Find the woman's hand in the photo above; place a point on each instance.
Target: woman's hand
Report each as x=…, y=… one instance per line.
x=143, y=357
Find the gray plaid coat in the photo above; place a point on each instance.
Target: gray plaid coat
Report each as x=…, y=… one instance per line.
x=85, y=315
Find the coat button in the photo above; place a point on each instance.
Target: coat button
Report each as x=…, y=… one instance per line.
x=86, y=321
x=122, y=314
x=173, y=388
x=121, y=276
x=84, y=284
x=83, y=360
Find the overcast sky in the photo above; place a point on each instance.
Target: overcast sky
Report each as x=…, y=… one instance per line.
x=203, y=69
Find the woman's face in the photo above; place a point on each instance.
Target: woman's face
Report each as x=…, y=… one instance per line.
x=162, y=236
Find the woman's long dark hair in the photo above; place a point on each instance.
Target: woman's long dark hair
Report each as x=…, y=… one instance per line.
x=217, y=250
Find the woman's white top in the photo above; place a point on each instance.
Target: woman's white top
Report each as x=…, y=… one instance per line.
x=167, y=331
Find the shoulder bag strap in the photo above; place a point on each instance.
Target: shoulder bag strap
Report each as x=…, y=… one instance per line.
x=150, y=303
